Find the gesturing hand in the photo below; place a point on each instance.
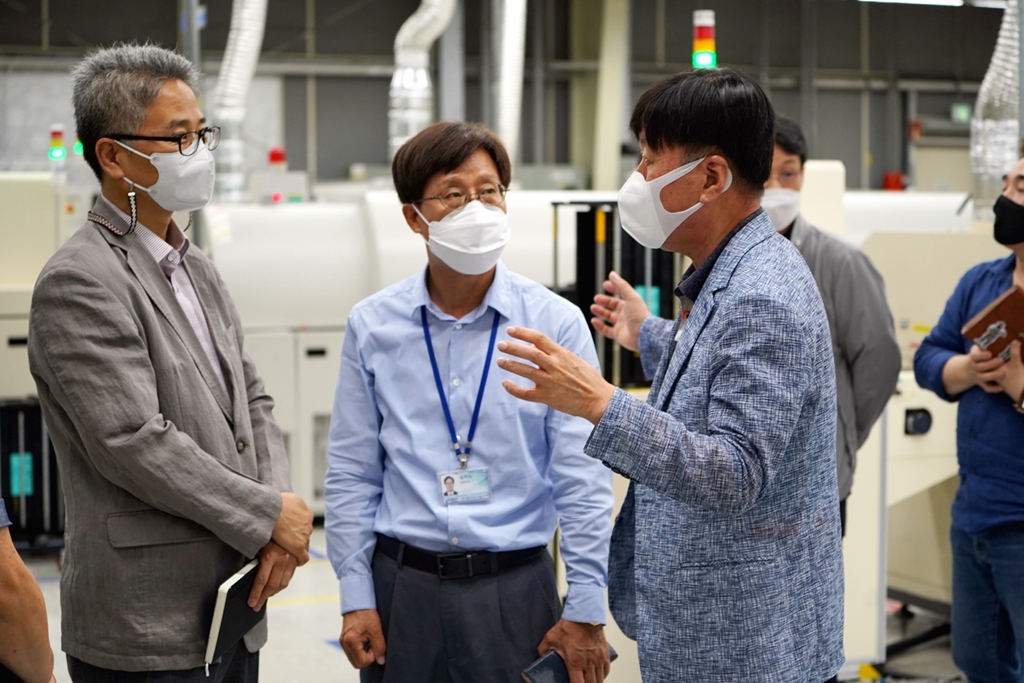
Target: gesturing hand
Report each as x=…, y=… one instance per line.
x=620, y=315
x=362, y=638
x=582, y=647
x=562, y=380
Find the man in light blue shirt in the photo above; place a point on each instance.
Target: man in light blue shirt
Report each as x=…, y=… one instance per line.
x=459, y=587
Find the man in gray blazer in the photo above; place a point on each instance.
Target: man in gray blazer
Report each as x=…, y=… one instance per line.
x=173, y=468
x=725, y=562
x=864, y=345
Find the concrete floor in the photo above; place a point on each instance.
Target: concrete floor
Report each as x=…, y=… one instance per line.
x=930, y=662
x=305, y=624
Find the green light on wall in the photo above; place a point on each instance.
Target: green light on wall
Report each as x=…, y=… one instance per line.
x=705, y=60
x=79, y=148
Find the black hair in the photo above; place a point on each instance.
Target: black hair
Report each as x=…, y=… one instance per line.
x=789, y=137
x=720, y=111
x=449, y=478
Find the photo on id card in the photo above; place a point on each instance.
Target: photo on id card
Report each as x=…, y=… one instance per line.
x=464, y=486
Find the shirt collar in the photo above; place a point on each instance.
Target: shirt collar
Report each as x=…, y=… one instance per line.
x=168, y=254
x=498, y=297
x=694, y=278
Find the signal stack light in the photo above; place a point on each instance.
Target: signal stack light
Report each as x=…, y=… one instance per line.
x=58, y=152
x=704, y=55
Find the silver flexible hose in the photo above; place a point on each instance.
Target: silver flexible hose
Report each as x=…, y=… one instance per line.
x=248, y=18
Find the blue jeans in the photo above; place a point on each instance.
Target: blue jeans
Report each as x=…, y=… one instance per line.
x=988, y=604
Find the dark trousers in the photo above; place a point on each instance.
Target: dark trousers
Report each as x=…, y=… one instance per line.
x=236, y=666
x=483, y=629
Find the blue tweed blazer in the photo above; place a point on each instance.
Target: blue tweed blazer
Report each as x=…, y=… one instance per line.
x=726, y=563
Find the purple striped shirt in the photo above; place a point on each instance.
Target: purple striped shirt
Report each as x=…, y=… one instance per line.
x=169, y=256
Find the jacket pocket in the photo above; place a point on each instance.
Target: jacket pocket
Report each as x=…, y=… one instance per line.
x=152, y=527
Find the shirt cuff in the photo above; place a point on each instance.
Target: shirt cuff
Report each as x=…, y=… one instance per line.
x=932, y=368
x=357, y=593
x=585, y=604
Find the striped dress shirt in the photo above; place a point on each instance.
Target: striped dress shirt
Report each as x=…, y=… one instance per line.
x=169, y=255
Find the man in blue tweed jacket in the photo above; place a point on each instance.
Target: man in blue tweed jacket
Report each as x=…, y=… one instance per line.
x=725, y=563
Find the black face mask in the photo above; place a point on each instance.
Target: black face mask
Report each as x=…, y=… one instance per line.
x=1009, y=228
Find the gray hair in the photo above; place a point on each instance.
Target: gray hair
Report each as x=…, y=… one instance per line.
x=114, y=87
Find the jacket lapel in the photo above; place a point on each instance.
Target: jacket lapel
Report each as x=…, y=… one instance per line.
x=694, y=325
x=219, y=333
x=659, y=375
x=758, y=230
x=158, y=288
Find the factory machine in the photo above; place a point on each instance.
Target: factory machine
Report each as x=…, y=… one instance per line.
x=31, y=228
x=295, y=269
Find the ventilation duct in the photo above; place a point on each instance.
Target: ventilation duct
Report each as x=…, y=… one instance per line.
x=995, y=139
x=510, y=32
x=411, y=98
x=248, y=18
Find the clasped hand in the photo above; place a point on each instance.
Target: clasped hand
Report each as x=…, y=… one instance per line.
x=995, y=375
x=287, y=549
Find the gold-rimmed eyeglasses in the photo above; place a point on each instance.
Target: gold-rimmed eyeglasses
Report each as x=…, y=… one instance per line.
x=456, y=199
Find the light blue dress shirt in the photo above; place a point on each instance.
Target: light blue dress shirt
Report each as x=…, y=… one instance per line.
x=389, y=440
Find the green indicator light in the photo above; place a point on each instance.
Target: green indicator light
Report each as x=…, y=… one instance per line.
x=79, y=148
x=57, y=153
x=704, y=60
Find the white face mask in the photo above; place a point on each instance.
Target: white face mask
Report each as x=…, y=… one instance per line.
x=184, y=183
x=643, y=215
x=782, y=206
x=470, y=239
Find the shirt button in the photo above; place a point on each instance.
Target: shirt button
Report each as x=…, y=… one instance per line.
x=456, y=382
x=455, y=540
x=241, y=446
x=458, y=326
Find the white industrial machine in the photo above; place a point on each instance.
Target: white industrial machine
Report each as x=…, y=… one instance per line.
x=921, y=269
x=296, y=269
x=30, y=230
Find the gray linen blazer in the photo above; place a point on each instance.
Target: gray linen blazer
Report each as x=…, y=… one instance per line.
x=725, y=562
x=863, y=338
x=170, y=483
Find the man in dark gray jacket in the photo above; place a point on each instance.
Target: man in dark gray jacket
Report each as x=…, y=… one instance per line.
x=863, y=339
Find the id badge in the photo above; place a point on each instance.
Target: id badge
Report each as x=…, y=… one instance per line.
x=464, y=486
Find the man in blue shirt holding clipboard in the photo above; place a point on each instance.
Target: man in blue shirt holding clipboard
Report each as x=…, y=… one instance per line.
x=987, y=534
x=460, y=588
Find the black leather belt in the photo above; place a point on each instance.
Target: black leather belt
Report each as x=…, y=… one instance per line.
x=455, y=565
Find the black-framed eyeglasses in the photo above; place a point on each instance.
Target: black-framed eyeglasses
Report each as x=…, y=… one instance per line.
x=186, y=141
x=455, y=199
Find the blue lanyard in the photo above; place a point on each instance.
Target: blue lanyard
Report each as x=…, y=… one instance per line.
x=462, y=452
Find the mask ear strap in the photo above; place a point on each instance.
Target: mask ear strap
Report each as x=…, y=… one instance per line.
x=134, y=207
x=422, y=217
x=191, y=216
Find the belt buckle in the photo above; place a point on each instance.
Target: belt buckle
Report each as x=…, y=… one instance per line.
x=443, y=565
